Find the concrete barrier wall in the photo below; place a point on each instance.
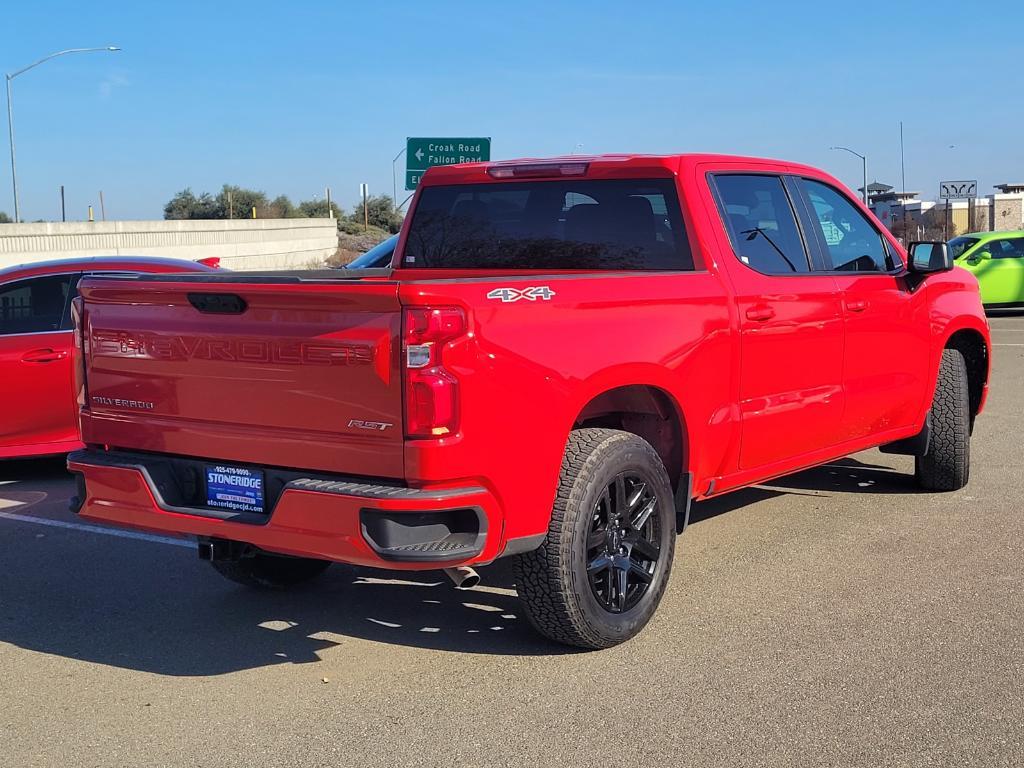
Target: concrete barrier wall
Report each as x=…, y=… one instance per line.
x=241, y=243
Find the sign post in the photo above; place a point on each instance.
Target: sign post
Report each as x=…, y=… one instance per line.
x=957, y=190
x=364, y=192
x=423, y=153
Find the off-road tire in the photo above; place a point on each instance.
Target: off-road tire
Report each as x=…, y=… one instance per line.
x=553, y=582
x=947, y=465
x=266, y=571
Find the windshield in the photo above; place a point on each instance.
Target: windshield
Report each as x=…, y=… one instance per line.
x=959, y=245
x=631, y=224
x=378, y=256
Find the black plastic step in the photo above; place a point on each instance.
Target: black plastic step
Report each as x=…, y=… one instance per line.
x=438, y=535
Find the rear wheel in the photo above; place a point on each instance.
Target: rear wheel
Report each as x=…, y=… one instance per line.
x=947, y=465
x=266, y=571
x=603, y=568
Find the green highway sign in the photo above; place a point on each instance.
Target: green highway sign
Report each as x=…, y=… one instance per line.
x=422, y=153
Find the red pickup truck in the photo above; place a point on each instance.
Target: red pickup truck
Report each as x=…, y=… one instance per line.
x=563, y=354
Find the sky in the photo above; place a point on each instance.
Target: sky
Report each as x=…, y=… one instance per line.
x=294, y=98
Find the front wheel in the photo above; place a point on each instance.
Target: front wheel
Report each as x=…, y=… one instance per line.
x=947, y=465
x=603, y=568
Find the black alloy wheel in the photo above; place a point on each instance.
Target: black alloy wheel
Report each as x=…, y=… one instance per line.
x=622, y=545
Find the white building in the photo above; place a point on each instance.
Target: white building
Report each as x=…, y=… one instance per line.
x=1003, y=210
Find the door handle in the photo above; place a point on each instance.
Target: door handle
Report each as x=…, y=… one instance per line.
x=760, y=314
x=43, y=356
x=857, y=306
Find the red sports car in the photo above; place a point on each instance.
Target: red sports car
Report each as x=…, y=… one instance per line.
x=37, y=403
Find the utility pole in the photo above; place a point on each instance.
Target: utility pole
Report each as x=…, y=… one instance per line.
x=231, y=206
x=903, y=188
x=327, y=194
x=903, y=165
x=103, y=208
x=63, y=214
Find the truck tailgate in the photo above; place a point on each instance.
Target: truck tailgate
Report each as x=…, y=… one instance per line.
x=276, y=373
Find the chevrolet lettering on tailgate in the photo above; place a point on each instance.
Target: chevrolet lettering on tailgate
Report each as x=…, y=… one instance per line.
x=289, y=352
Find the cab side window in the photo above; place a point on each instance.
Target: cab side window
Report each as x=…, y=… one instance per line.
x=762, y=227
x=1011, y=248
x=849, y=240
x=35, y=305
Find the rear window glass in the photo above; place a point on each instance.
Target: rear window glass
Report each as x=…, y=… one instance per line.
x=627, y=224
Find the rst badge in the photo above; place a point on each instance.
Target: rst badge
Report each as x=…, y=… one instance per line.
x=376, y=426
x=508, y=295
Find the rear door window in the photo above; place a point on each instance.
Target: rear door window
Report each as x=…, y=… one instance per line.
x=628, y=224
x=35, y=305
x=761, y=224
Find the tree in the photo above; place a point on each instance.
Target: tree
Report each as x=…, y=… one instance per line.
x=185, y=205
x=381, y=214
x=281, y=208
x=235, y=202
x=317, y=209
x=4, y=218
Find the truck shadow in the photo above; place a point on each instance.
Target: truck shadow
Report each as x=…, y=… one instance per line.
x=155, y=608
x=42, y=469
x=849, y=475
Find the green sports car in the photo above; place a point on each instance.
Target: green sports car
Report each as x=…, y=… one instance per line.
x=997, y=260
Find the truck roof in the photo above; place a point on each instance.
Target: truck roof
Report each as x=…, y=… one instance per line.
x=603, y=165
x=103, y=263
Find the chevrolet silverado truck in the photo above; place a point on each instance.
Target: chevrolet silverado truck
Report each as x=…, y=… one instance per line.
x=563, y=354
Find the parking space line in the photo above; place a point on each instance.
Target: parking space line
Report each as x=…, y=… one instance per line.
x=97, y=529
x=1008, y=345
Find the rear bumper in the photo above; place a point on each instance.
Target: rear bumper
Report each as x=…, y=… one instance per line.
x=363, y=524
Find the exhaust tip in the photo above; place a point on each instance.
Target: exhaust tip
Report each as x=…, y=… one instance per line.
x=463, y=577
x=469, y=582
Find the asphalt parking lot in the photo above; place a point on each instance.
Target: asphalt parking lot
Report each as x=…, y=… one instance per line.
x=833, y=617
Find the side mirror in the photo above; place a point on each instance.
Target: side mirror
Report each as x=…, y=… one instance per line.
x=981, y=255
x=928, y=257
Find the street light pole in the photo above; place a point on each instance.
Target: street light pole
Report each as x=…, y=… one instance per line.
x=864, y=169
x=14, y=168
x=10, y=112
x=394, y=182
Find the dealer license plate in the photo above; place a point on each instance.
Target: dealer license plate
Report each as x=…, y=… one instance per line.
x=234, y=488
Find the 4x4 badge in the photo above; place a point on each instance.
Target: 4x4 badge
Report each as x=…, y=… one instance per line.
x=508, y=295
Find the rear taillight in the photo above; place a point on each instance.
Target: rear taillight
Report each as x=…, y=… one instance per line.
x=78, y=353
x=431, y=390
